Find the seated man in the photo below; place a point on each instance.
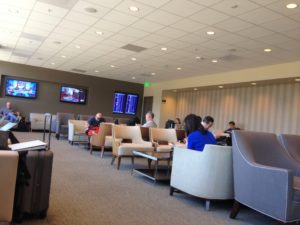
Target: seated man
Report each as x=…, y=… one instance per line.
x=7, y=113
x=231, y=127
x=93, y=123
x=149, y=120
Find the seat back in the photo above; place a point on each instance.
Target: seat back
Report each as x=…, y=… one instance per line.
x=206, y=174
x=63, y=118
x=84, y=117
x=8, y=176
x=181, y=135
x=79, y=125
x=145, y=132
x=105, y=130
x=291, y=144
x=108, y=119
x=127, y=132
x=163, y=135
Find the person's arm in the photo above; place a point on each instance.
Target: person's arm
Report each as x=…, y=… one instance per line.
x=88, y=123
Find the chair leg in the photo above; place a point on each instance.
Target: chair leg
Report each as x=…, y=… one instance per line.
x=207, y=205
x=102, y=151
x=119, y=162
x=91, y=149
x=113, y=159
x=149, y=163
x=172, y=190
x=235, y=210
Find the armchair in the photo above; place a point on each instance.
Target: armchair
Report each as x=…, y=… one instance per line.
x=161, y=138
x=61, y=123
x=103, y=138
x=76, y=131
x=120, y=149
x=291, y=144
x=266, y=179
x=84, y=117
x=37, y=121
x=206, y=174
x=8, y=176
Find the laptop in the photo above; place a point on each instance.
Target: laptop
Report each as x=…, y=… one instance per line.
x=8, y=126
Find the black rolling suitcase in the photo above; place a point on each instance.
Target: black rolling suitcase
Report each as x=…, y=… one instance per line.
x=33, y=184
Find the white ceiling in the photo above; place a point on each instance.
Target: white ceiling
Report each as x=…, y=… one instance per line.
x=45, y=33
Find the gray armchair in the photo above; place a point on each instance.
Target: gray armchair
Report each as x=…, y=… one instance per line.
x=84, y=117
x=266, y=179
x=291, y=143
x=61, y=124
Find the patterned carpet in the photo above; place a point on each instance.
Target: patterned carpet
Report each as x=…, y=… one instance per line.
x=87, y=190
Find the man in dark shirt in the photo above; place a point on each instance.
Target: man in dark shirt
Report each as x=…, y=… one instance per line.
x=95, y=121
x=231, y=127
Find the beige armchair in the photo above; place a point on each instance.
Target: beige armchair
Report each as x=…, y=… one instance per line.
x=76, y=131
x=121, y=149
x=37, y=121
x=207, y=174
x=103, y=139
x=8, y=176
x=162, y=138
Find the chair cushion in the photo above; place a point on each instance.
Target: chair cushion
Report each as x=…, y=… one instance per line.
x=164, y=148
x=108, y=141
x=128, y=148
x=296, y=189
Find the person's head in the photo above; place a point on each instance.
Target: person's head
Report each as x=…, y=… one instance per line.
x=149, y=116
x=231, y=125
x=207, y=122
x=8, y=105
x=98, y=116
x=192, y=123
x=177, y=120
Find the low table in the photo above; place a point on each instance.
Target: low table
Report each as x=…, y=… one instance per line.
x=155, y=173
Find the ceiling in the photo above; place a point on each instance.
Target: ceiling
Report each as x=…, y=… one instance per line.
x=87, y=36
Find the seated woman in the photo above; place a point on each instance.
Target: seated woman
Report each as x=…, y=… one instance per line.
x=197, y=135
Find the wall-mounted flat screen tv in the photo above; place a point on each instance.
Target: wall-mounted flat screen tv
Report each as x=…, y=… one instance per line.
x=21, y=88
x=131, y=104
x=119, y=102
x=73, y=95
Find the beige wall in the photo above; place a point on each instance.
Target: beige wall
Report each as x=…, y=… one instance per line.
x=253, y=74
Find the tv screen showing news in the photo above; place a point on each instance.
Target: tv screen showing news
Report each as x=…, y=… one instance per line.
x=131, y=104
x=73, y=95
x=21, y=88
x=119, y=102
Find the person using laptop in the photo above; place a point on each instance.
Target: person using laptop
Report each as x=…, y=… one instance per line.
x=9, y=114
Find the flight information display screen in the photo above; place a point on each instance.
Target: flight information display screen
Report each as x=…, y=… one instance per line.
x=131, y=104
x=119, y=102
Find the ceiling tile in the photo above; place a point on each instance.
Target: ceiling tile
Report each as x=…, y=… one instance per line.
x=171, y=32
x=44, y=18
x=259, y=16
x=107, y=25
x=147, y=25
x=188, y=25
x=120, y=18
x=106, y=3
x=73, y=25
x=182, y=7
x=274, y=39
x=231, y=38
x=163, y=17
x=26, y=4
x=81, y=18
x=294, y=33
x=144, y=43
x=255, y=32
x=233, y=25
x=178, y=44
x=235, y=7
x=263, y=2
x=51, y=10
x=154, y=3
x=209, y=16
x=122, y=38
x=193, y=39
x=206, y=2
x=280, y=7
x=281, y=24
x=157, y=38
x=80, y=7
x=142, y=12
x=132, y=32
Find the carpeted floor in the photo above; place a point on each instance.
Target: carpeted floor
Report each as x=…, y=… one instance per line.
x=87, y=190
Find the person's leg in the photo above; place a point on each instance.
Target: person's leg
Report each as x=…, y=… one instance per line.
x=12, y=138
x=11, y=117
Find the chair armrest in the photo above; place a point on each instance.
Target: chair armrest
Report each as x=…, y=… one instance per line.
x=116, y=144
x=71, y=131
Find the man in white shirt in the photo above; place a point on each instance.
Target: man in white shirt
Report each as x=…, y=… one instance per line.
x=149, y=120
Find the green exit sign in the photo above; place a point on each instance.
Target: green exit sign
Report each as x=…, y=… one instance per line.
x=147, y=84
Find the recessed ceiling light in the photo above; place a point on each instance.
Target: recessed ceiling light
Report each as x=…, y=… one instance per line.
x=53, y=63
x=164, y=48
x=133, y=8
x=198, y=57
x=77, y=46
x=291, y=5
x=214, y=61
x=14, y=11
x=133, y=78
x=297, y=79
x=91, y=10
x=63, y=56
x=221, y=86
x=112, y=66
x=267, y=50
x=179, y=68
x=253, y=83
x=133, y=59
x=153, y=74
x=210, y=32
x=195, y=89
x=96, y=71
x=99, y=32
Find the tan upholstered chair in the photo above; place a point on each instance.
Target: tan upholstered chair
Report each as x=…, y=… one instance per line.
x=8, y=176
x=76, y=131
x=103, y=138
x=161, y=137
x=37, y=121
x=145, y=131
x=207, y=174
x=121, y=149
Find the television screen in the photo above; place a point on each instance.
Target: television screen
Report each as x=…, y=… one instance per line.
x=119, y=102
x=21, y=88
x=131, y=104
x=73, y=95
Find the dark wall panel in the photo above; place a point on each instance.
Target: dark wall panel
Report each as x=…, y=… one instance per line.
x=100, y=90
